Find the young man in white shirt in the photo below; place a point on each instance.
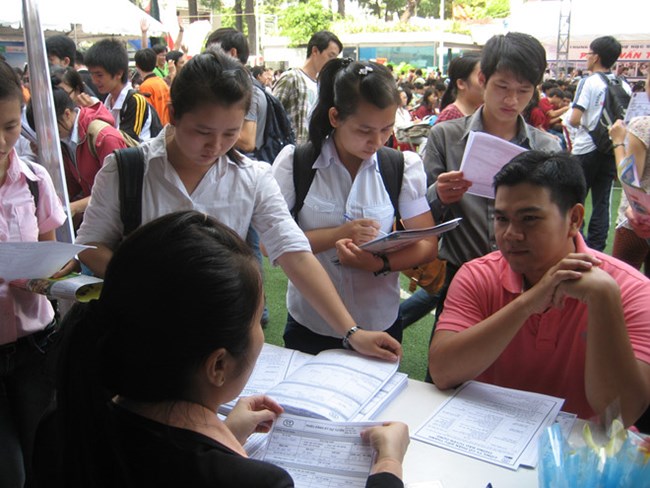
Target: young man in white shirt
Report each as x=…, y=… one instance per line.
x=599, y=168
x=108, y=63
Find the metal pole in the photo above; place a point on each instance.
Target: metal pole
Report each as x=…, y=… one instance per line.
x=441, y=45
x=49, y=146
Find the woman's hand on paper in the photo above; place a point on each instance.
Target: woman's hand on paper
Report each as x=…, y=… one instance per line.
x=376, y=344
x=350, y=254
x=360, y=231
x=390, y=441
x=252, y=414
x=451, y=186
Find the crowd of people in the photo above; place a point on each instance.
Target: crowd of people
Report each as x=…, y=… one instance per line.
x=124, y=391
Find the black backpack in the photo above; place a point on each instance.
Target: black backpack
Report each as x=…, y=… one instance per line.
x=278, y=131
x=614, y=107
x=391, y=169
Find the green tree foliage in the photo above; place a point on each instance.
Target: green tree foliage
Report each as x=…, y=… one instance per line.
x=471, y=9
x=497, y=9
x=431, y=8
x=301, y=20
x=211, y=4
x=481, y=9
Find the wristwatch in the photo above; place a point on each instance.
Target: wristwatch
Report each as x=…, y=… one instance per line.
x=385, y=268
x=348, y=334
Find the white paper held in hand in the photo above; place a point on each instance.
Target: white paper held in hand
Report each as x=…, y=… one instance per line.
x=484, y=156
x=29, y=260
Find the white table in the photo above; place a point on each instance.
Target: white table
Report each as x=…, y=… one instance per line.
x=424, y=462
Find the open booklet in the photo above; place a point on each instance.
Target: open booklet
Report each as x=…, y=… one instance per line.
x=636, y=195
x=336, y=385
x=76, y=287
x=484, y=156
x=401, y=238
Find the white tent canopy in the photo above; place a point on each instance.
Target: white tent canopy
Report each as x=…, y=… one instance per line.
x=93, y=17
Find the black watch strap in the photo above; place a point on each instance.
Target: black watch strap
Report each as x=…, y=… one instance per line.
x=385, y=269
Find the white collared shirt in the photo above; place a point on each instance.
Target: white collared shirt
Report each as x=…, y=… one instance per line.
x=72, y=141
x=115, y=107
x=373, y=301
x=237, y=194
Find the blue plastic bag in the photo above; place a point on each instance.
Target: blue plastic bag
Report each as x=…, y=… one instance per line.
x=623, y=461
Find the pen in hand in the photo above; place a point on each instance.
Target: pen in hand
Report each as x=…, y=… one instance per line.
x=348, y=218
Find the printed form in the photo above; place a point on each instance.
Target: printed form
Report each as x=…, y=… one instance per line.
x=491, y=423
x=273, y=365
x=320, y=453
x=335, y=385
x=484, y=156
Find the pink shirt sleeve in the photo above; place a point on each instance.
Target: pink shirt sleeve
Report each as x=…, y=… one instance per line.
x=463, y=305
x=50, y=211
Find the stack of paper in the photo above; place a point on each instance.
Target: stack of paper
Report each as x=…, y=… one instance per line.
x=336, y=385
x=315, y=440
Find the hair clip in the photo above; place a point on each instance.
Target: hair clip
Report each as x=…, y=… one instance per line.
x=365, y=70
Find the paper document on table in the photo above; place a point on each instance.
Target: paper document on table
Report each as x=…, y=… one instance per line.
x=318, y=453
x=335, y=385
x=273, y=365
x=490, y=423
x=484, y=156
x=398, y=239
x=27, y=260
x=383, y=397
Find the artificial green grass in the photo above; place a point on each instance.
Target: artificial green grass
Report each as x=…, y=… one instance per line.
x=416, y=337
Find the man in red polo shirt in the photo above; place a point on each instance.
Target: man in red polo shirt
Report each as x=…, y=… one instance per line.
x=545, y=313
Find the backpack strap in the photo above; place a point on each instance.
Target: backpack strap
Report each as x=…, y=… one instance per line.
x=92, y=132
x=304, y=157
x=130, y=166
x=391, y=169
x=32, y=185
